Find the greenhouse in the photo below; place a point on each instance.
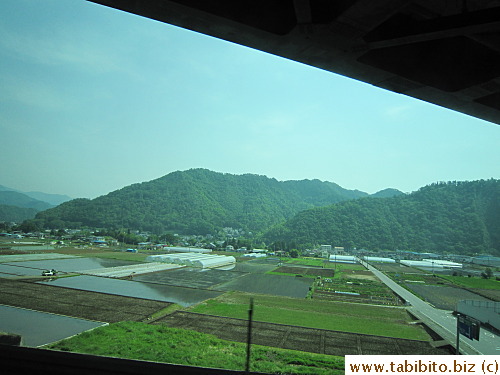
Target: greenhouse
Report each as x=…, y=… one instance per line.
x=215, y=262
x=431, y=264
x=256, y=255
x=379, y=260
x=444, y=263
x=189, y=261
x=343, y=259
x=187, y=250
x=193, y=260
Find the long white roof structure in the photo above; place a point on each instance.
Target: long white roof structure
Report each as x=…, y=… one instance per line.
x=193, y=259
x=343, y=259
x=379, y=259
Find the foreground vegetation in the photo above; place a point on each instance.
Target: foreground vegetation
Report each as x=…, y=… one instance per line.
x=338, y=316
x=133, y=340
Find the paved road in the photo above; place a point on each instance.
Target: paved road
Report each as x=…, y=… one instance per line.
x=442, y=321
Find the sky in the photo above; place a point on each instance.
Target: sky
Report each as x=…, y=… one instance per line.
x=93, y=99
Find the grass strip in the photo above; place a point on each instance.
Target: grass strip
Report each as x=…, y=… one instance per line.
x=167, y=310
x=473, y=282
x=140, y=341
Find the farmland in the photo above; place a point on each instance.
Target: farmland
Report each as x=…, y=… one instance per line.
x=160, y=343
x=373, y=320
x=443, y=297
x=77, y=303
x=304, y=271
x=474, y=282
x=281, y=309
x=444, y=291
x=297, y=338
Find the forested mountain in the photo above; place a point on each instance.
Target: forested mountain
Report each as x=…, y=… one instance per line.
x=53, y=199
x=197, y=201
x=16, y=214
x=455, y=216
x=387, y=193
x=16, y=206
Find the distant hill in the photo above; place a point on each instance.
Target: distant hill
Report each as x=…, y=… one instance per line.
x=461, y=217
x=387, y=193
x=13, y=198
x=52, y=199
x=16, y=206
x=16, y=214
x=198, y=201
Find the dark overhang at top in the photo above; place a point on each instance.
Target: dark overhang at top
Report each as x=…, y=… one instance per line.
x=445, y=52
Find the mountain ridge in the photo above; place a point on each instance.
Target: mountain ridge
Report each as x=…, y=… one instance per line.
x=16, y=206
x=461, y=217
x=198, y=201
x=52, y=199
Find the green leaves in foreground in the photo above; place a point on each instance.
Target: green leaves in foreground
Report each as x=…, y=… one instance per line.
x=134, y=340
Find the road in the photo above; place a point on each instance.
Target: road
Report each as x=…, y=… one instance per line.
x=441, y=321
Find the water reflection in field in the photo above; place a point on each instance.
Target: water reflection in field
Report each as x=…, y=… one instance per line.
x=175, y=294
x=191, y=277
x=66, y=265
x=13, y=269
x=38, y=328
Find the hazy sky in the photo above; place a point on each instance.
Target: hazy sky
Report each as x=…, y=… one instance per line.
x=93, y=99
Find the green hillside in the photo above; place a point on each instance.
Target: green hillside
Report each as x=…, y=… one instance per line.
x=197, y=201
x=14, y=198
x=16, y=214
x=455, y=216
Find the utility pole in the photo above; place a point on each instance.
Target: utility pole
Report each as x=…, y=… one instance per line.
x=249, y=336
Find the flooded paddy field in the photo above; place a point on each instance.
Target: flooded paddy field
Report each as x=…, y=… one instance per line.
x=38, y=328
x=27, y=257
x=298, y=338
x=165, y=293
x=77, y=303
x=191, y=277
x=73, y=264
x=13, y=269
x=248, y=276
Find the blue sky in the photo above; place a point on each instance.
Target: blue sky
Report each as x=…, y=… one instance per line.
x=93, y=99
